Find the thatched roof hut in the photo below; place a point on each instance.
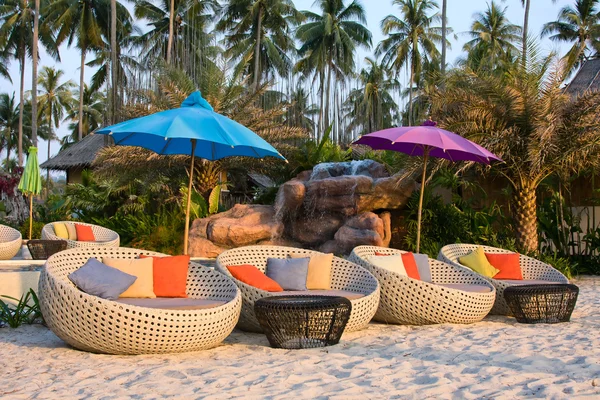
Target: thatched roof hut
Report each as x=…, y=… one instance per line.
x=586, y=79
x=77, y=157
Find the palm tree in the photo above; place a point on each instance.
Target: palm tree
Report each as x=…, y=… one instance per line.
x=300, y=112
x=580, y=25
x=258, y=34
x=16, y=35
x=527, y=5
x=444, y=33
x=85, y=22
x=410, y=39
x=54, y=98
x=371, y=107
x=94, y=108
x=493, y=38
x=9, y=122
x=525, y=117
x=328, y=46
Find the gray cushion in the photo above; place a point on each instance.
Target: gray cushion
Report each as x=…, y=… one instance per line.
x=528, y=282
x=464, y=287
x=101, y=280
x=342, y=293
x=290, y=273
x=168, y=303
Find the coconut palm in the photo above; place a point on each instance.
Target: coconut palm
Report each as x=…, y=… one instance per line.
x=84, y=23
x=258, y=35
x=579, y=25
x=4, y=67
x=527, y=5
x=54, y=98
x=328, y=46
x=16, y=36
x=444, y=34
x=410, y=39
x=371, y=107
x=301, y=111
x=10, y=121
x=493, y=38
x=525, y=117
x=94, y=109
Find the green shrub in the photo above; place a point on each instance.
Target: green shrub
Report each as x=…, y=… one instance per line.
x=21, y=313
x=36, y=232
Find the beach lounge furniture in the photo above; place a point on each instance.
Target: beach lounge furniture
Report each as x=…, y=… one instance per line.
x=347, y=280
x=454, y=295
x=534, y=272
x=10, y=242
x=137, y=326
x=104, y=236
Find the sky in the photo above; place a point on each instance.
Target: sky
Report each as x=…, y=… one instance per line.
x=460, y=16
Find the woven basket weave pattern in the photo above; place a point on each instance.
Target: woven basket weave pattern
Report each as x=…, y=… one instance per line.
x=104, y=236
x=10, y=242
x=531, y=269
x=345, y=275
x=414, y=302
x=94, y=324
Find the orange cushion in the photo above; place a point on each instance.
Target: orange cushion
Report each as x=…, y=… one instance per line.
x=410, y=265
x=507, y=263
x=170, y=275
x=252, y=276
x=85, y=233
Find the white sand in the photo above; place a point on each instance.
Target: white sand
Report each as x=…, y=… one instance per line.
x=497, y=358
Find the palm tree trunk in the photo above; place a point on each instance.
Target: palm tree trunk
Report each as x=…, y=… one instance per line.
x=81, y=90
x=257, y=49
x=21, y=105
x=327, y=94
x=525, y=27
x=113, y=58
x=443, y=66
x=410, y=93
x=171, y=20
x=320, y=129
x=48, y=169
x=34, y=73
x=8, y=148
x=526, y=216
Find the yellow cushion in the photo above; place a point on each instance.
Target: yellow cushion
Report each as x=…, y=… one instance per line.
x=72, y=231
x=319, y=270
x=60, y=230
x=141, y=268
x=478, y=262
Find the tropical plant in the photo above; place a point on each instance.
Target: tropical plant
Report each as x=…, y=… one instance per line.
x=311, y=153
x=328, y=47
x=371, y=106
x=300, y=112
x=94, y=110
x=527, y=5
x=9, y=124
x=258, y=35
x=525, y=118
x=580, y=26
x=410, y=39
x=493, y=38
x=25, y=311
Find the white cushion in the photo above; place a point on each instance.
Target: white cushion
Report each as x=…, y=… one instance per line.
x=528, y=282
x=391, y=263
x=464, y=287
x=167, y=303
x=341, y=293
x=422, y=261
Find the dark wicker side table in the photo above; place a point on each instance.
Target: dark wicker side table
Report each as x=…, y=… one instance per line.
x=42, y=249
x=301, y=322
x=532, y=304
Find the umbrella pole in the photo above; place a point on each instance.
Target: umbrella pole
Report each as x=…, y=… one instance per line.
x=425, y=158
x=30, y=214
x=189, y=201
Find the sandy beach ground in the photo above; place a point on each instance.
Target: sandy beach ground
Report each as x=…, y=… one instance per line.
x=497, y=358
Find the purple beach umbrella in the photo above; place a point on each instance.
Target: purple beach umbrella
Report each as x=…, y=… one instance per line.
x=427, y=141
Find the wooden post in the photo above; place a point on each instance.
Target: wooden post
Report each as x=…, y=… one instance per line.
x=189, y=201
x=425, y=158
x=30, y=215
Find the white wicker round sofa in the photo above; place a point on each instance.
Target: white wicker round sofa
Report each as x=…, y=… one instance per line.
x=534, y=272
x=455, y=294
x=345, y=277
x=104, y=236
x=10, y=242
x=97, y=325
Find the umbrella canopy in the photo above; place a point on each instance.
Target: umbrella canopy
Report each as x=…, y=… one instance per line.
x=31, y=182
x=193, y=129
x=427, y=141
x=171, y=132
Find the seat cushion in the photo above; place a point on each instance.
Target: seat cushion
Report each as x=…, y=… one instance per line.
x=529, y=282
x=342, y=293
x=467, y=288
x=84, y=233
x=166, y=303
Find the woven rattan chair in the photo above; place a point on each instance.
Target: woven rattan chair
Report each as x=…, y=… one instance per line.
x=345, y=276
x=104, y=237
x=10, y=242
x=97, y=325
x=534, y=272
x=42, y=249
x=455, y=295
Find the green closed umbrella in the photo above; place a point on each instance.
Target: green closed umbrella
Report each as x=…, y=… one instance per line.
x=31, y=182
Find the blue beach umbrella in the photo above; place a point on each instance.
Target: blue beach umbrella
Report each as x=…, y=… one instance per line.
x=193, y=129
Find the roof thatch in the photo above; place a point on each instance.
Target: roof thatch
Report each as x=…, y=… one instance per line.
x=81, y=154
x=586, y=79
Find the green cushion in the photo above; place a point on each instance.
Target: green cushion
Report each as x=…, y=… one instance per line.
x=478, y=262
